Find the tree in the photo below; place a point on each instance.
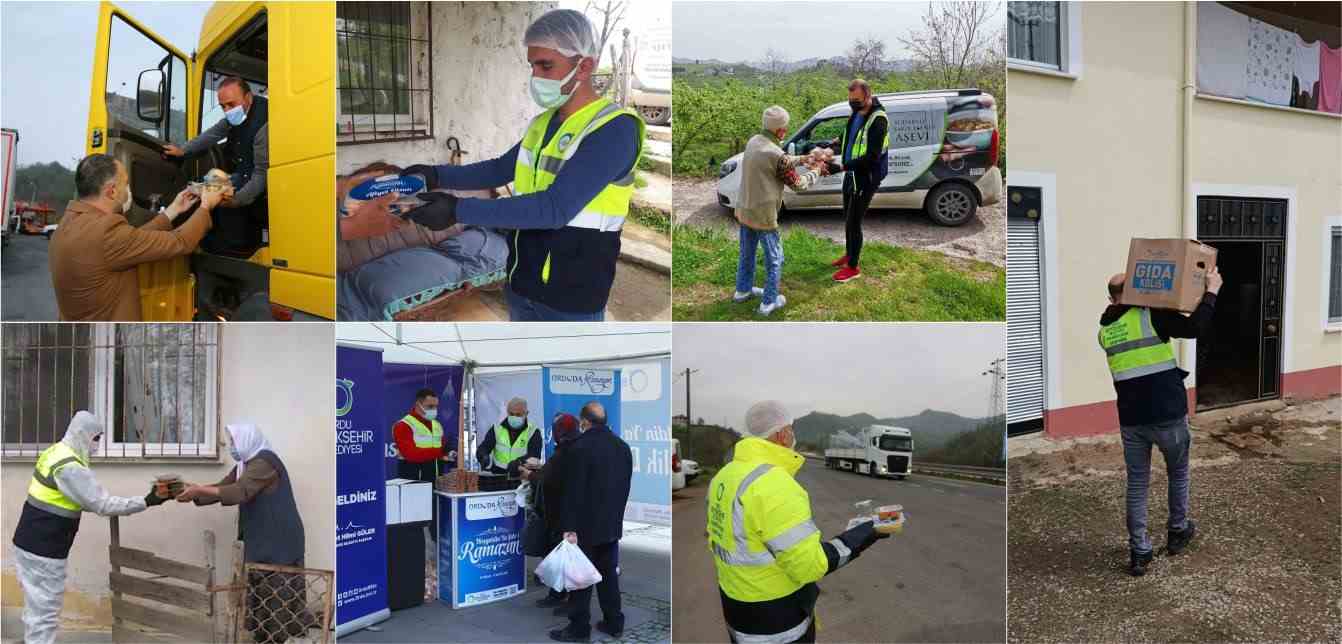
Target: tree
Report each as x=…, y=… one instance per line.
x=775, y=64
x=957, y=43
x=866, y=57
x=611, y=13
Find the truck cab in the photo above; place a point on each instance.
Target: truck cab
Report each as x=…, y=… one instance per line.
x=875, y=450
x=146, y=93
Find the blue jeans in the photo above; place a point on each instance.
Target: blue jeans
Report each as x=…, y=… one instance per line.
x=773, y=261
x=521, y=309
x=1172, y=438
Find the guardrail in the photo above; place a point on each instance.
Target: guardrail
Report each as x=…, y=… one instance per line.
x=974, y=472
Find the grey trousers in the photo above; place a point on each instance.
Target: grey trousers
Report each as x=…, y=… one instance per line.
x=1172, y=438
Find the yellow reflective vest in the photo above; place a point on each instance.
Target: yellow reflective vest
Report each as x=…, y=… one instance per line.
x=1133, y=347
x=764, y=543
x=426, y=437
x=506, y=452
x=43, y=492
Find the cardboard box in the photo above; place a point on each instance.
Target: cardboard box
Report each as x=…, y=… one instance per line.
x=1167, y=273
x=409, y=501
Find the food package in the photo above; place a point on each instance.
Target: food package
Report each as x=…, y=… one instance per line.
x=1167, y=273
x=215, y=180
x=168, y=485
x=888, y=519
x=458, y=481
x=567, y=568
x=404, y=185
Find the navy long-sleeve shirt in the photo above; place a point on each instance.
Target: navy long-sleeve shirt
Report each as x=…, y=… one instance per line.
x=1159, y=397
x=604, y=156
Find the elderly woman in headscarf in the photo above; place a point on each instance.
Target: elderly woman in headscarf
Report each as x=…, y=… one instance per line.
x=546, y=486
x=270, y=529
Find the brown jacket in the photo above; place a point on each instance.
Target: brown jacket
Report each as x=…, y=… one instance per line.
x=94, y=255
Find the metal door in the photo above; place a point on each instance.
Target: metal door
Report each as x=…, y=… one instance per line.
x=1025, y=313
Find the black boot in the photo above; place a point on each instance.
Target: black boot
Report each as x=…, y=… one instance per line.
x=1175, y=542
x=1137, y=563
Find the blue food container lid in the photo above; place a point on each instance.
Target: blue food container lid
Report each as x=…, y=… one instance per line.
x=403, y=184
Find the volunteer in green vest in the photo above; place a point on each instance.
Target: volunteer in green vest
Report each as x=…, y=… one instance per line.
x=511, y=442
x=865, y=144
x=61, y=489
x=767, y=550
x=1152, y=407
x=572, y=174
x=424, y=447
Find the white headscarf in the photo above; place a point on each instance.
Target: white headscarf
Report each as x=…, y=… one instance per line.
x=248, y=441
x=80, y=432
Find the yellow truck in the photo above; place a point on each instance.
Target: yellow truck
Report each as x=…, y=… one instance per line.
x=146, y=93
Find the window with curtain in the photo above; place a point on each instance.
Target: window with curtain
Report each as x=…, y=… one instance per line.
x=1034, y=32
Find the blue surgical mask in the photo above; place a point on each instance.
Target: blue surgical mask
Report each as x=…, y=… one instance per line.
x=548, y=93
x=516, y=421
x=233, y=453
x=430, y=414
x=235, y=116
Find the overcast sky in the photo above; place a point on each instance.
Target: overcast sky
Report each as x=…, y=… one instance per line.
x=742, y=31
x=887, y=370
x=46, y=54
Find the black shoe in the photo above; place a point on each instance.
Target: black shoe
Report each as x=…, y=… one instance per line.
x=1137, y=563
x=1175, y=542
x=605, y=628
x=563, y=635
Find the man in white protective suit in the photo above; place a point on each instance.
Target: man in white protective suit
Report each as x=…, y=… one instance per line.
x=62, y=488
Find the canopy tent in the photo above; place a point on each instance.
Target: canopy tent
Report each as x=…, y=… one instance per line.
x=507, y=346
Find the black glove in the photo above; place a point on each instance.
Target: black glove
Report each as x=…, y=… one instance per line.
x=833, y=167
x=153, y=499
x=440, y=213
x=860, y=537
x=430, y=174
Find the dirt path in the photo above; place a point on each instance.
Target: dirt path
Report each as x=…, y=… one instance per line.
x=984, y=238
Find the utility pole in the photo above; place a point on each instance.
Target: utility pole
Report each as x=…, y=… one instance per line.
x=997, y=370
x=689, y=417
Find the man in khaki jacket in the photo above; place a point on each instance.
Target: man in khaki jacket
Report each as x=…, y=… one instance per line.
x=95, y=251
x=765, y=169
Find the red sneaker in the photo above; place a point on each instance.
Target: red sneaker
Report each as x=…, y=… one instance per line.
x=842, y=261
x=844, y=274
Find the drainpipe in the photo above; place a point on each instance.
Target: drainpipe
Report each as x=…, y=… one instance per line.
x=1188, y=228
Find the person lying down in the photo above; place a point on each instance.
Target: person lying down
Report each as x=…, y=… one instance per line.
x=388, y=265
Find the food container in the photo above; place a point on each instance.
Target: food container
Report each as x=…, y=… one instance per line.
x=406, y=186
x=971, y=130
x=888, y=519
x=168, y=485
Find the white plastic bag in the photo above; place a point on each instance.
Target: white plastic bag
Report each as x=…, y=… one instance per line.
x=523, y=493
x=567, y=568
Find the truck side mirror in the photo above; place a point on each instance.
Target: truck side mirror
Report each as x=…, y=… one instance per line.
x=149, y=96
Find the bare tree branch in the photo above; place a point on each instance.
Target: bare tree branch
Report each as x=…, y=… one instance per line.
x=957, y=41
x=866, y=56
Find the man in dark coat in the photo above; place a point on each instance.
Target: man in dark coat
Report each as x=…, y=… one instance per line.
x=596, y=480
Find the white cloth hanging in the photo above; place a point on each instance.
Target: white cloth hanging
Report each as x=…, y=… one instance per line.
x=1223, y=50
x=1271, y=60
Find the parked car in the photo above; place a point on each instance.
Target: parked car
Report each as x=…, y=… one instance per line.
x=678, y=480
x=691, y=469
x=943, y=154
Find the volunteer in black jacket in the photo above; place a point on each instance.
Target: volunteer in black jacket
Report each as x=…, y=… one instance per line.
x=595, y=484
x=865, y=133
x=1152, y=407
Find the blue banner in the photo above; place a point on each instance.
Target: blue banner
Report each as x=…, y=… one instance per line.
x=645, y=411
x=361, y=540
x=480, y=558
x=567, y=389
x=401, y=381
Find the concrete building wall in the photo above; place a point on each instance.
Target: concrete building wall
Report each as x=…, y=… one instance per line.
x=1108, y=139
x=276, y=376
x=480, y=76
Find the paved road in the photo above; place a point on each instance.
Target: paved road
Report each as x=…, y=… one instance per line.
x=26, y=277
x=943, y=580
x=983, y=239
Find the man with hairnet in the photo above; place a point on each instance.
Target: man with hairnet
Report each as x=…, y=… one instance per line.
x=573, y=175
x=61, y=488
x=767, y=550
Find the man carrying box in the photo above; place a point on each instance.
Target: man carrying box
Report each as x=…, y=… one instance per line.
x=1153, y=406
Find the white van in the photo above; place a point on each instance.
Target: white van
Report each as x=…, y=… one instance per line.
x=943, y=156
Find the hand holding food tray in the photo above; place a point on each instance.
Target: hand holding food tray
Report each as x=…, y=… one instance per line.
x=406, y=186
x=887, y=519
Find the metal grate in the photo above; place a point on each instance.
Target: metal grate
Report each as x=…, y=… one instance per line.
x=385, y=72
x=280, y=603
x=1025, y=324
x=153, y=387
x=1335, y=276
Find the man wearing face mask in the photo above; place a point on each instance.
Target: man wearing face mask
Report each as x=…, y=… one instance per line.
x=767, y=550
x=426, y=449
x=61, y=489
x=572, y=172
x=95, y=251
x=245, y=126
x=511, y=443
x=865, y=158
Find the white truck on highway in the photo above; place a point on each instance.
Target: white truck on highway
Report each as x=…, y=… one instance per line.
x=875, y=450
x=9, y=157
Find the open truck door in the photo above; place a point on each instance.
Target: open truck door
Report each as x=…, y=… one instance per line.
x=138, y=102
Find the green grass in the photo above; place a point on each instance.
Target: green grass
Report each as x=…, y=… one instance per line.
x=896, y=283
x=651, y=217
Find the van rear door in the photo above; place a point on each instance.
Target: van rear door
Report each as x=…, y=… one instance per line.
x=138, y=101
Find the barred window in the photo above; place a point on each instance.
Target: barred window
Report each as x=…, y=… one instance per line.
x=152, y=386
x=1335, y=276
x=1035, y=32
x=384, y=78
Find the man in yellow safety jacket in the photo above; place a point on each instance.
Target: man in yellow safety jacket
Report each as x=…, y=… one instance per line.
x=573, y=175
x=511, y=442
x=1152, y=407
x=767, y=550
x=61, y=489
